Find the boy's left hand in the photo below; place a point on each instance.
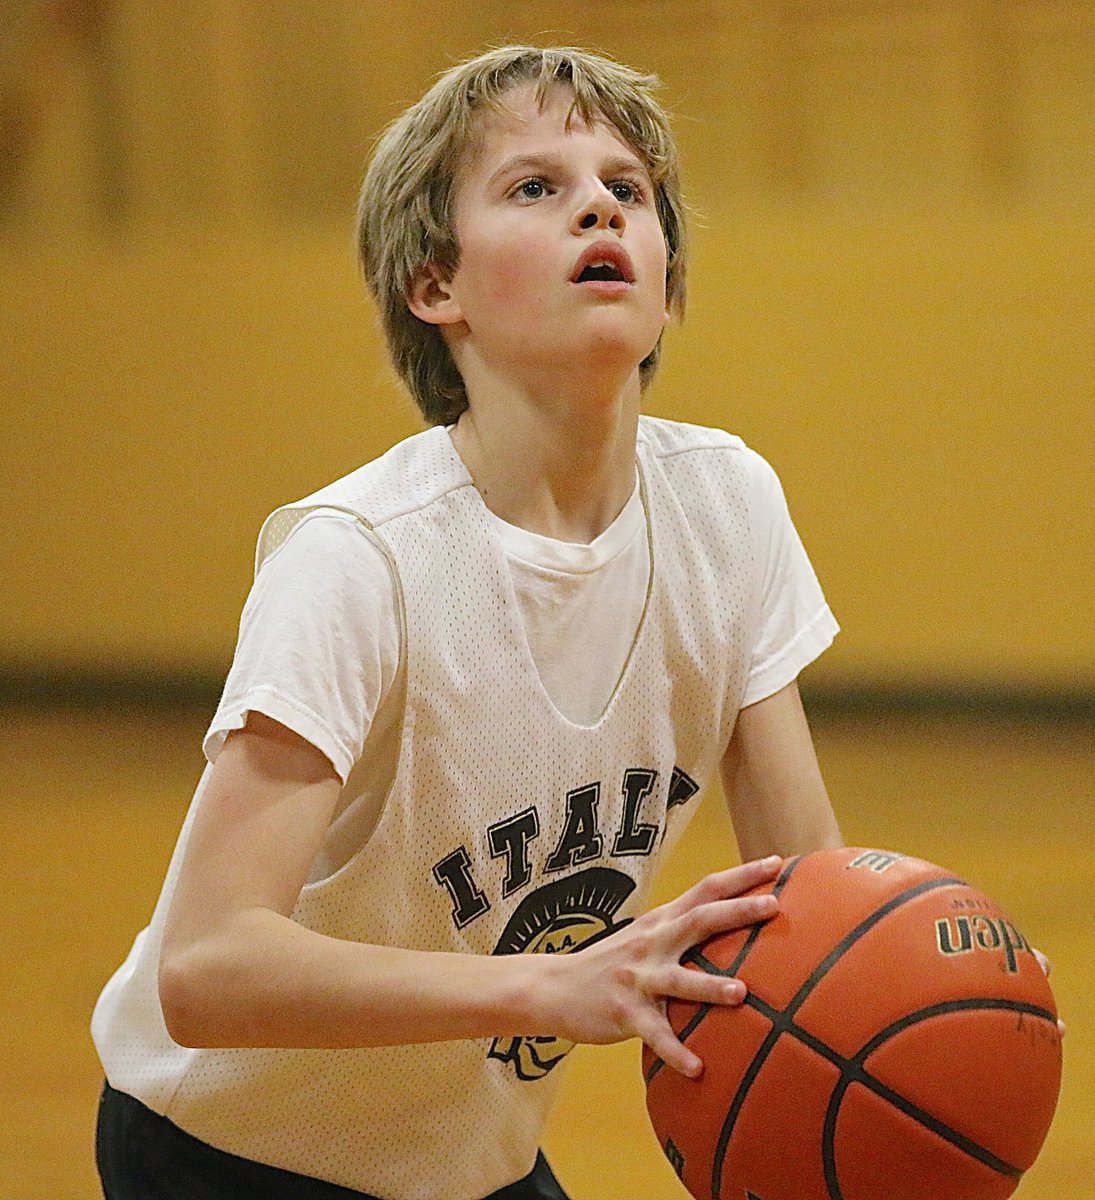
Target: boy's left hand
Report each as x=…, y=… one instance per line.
x=1047, y=966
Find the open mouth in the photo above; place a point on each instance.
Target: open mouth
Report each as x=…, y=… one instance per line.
x=601, y=273
x=604, y=262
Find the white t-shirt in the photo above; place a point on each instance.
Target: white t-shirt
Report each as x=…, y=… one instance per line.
x=319, y=650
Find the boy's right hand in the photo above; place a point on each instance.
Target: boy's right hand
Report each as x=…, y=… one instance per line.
x=617, y=987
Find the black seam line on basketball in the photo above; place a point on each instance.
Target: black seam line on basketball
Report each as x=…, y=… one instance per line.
x=845, y=944
x=779, y=1017
x=853, y=1071
x=786, y=871
x=727, y=1130
x=959, y=1141
x=797, y=1000
x=828, y=1138
x=782, y=1017
x=696, y=957
x=968, y=1004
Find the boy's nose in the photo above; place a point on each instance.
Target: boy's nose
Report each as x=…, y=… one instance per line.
x=601, y=210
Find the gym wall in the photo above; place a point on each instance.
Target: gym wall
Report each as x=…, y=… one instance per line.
x=892, y=296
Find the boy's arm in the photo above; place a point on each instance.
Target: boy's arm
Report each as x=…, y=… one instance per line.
x=772, y=782
x=236, y=970
x=773, y=785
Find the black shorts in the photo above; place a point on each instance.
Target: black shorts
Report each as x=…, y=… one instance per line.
x=143, y=1156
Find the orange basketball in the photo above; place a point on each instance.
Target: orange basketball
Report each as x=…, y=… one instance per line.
x=899, y=1041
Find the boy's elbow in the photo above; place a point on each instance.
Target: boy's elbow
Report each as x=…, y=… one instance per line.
x=184, y=1001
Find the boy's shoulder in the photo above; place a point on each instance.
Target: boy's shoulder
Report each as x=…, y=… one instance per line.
x=410, y=476
x=666, y=439
x=703, y=457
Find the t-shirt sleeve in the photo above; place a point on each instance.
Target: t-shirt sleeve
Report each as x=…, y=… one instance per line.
x=795, y=623
x=318, y=646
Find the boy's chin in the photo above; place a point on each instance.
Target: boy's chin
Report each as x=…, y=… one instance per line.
x=605, y=361
x=612, y=363
x=616, y=351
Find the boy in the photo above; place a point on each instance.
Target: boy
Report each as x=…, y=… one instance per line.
x=478, y=685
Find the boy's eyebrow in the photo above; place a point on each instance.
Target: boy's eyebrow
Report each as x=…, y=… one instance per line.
x=549, y=162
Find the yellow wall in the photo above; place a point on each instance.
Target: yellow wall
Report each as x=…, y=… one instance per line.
x=893, y=298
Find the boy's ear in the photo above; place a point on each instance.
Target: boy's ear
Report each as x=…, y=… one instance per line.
x=430, y=298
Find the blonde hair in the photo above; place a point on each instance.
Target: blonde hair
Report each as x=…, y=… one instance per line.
x=405, y=218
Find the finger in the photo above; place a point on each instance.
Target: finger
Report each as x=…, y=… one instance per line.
x=702, y=988
x=1043, y=962
x=658, y=1034
x=735, y=880
x=726, y=915
x=732, y=882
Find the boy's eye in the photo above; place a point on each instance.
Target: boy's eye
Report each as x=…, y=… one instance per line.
x=531, y=189
x=625, y=191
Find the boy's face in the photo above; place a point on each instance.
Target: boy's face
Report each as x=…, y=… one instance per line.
x=562, y=256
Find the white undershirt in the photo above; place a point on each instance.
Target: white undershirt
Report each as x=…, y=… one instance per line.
x=581, y=605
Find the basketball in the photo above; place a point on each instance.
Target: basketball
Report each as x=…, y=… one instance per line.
x=898, y=1041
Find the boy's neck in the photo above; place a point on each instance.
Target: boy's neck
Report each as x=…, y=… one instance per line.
x=564, y=470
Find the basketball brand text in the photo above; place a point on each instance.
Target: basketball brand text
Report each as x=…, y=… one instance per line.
x=966, y=935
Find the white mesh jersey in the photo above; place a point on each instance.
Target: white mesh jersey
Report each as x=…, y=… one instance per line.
x=508, y=827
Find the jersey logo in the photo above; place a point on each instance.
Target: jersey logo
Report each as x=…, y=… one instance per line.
x=563, y=916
